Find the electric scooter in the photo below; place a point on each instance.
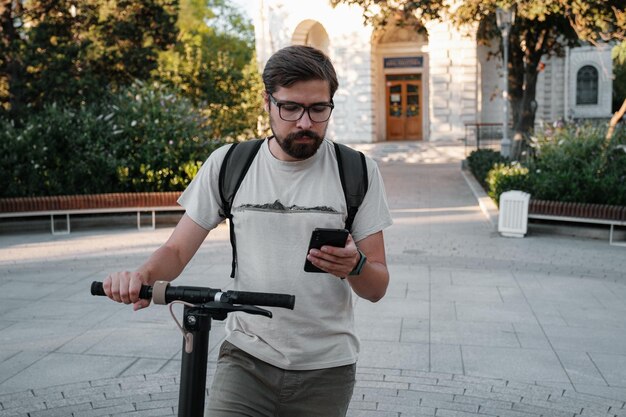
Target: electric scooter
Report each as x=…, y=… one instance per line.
x=202, y=305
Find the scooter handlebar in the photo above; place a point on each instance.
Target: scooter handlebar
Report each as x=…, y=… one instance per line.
x=199, y=295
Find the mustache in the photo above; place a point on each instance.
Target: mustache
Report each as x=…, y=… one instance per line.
x=307, y=133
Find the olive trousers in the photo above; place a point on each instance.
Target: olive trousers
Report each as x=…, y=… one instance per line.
x=244, y=386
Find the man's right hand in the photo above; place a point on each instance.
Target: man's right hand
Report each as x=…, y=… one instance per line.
x=165, y=264
x=124, y=287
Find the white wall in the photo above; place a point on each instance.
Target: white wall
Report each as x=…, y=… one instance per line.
x=491, y=103
x=453, y=81
x=550, y=94
x=285, y=22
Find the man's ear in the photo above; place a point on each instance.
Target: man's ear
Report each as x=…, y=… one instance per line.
x=266, y=101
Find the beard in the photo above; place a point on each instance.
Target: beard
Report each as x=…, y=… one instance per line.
x=300, y=150
x=297, y=150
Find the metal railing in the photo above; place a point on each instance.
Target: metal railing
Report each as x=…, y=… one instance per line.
x=482, y=135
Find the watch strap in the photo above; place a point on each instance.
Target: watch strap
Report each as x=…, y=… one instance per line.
x=359, y=266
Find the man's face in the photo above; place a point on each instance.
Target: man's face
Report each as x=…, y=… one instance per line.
x=299, y=139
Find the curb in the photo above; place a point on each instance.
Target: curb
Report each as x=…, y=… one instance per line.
x=487, y=206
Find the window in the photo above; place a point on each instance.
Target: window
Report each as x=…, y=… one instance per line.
x=587, y=85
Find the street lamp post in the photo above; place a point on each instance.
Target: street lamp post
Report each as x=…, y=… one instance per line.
x=504, y=19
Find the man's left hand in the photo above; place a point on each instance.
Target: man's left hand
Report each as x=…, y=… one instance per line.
x=337, y=261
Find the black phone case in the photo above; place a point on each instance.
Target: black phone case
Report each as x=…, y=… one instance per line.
x=321, y=237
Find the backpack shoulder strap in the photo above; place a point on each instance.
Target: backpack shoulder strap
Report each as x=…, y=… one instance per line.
x=234, y=168
x=354, y=180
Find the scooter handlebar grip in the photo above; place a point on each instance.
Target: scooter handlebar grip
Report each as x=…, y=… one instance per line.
x=98, y=289
x=263, y=299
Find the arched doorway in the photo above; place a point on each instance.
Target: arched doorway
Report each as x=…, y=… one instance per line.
x=404, y=106
x=312, y=33
x=400, y=61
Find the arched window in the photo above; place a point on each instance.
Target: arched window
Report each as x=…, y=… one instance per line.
x=587, y=85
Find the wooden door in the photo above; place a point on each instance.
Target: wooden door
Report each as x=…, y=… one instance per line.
x=404, y=107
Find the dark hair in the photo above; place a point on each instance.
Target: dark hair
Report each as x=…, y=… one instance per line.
x=298, y=63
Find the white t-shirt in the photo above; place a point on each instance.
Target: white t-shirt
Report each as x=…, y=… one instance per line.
x=275, y=210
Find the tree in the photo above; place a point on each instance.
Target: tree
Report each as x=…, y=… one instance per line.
x=74, y=53
x=213, y=63
x=619, y=84
x=71, y=51
x=131, y=34
x=11, y=62
x=541, y=28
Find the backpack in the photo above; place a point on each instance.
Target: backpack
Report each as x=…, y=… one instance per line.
x=352, y=174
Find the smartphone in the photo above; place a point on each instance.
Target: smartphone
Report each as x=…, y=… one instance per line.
x=321, y=237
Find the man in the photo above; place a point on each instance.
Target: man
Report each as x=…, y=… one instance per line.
x=301, y=362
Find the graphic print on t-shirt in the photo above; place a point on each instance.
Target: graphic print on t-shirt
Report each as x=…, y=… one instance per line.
x=278, y=207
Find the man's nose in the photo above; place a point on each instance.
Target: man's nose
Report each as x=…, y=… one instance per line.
x=305, y=121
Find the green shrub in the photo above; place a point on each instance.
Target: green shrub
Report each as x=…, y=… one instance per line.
x=160, y=139
x=576, y=164
x=57, y=151
x=506, y=177
x=145, y=138
x=481, y=161
x=613, y=187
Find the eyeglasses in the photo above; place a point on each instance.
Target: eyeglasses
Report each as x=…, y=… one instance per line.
x=292, y=112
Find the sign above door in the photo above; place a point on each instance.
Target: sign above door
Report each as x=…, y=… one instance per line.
x=404, y=62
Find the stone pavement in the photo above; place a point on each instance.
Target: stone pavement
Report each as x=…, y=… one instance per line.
x=472, y=324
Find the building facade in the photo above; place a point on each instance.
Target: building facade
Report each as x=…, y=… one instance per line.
x=397, y=84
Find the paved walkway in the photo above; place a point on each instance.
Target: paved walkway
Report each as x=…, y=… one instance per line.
x=472, y=324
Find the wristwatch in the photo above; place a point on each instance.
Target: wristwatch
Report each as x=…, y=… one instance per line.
x=359, y=266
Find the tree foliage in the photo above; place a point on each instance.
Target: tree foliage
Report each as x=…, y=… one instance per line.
x=68, y=51
x=74, y=52
x=541, y=28
x=213, y=63
x=106, y=95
